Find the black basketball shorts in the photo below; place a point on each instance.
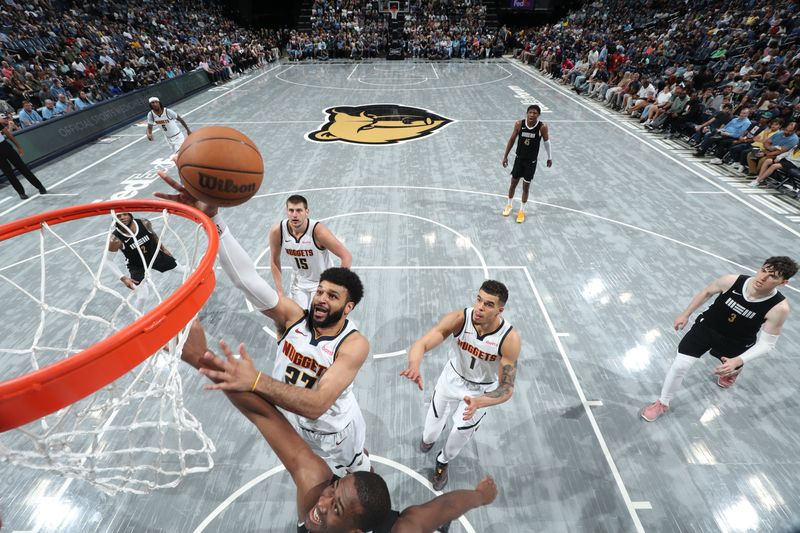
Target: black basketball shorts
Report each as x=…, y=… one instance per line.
x=162, y=263
x=524, y=168
x=701, y=339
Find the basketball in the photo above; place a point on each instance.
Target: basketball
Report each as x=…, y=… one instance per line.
x=220, y=166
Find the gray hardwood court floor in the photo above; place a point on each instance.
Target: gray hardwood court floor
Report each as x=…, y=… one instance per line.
x=621, y=232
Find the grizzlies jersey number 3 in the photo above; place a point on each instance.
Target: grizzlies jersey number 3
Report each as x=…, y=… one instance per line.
x=477, y=357
x=303, y=359
x=308, y=260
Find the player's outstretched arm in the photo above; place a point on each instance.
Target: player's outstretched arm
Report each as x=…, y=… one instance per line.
x=275, y=257
x=312, y=402
x=717, y=286
x=236, y=263
x=509, y=354
x=450, y=324
x=185, y=126
x=309, y=472
x=326, y=239
x=427, y=517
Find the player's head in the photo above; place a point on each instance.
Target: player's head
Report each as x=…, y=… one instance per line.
x=533, y=112
x=490, y=302
x=297, y=211
x=775, y=272
x=124, y=219
x=356, y=502
x=155, y=103
x=339, y=291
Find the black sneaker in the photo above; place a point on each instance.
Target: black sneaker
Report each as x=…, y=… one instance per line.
x=439, y=476
x=23, y=196
x=42, y=191
x=424, y=447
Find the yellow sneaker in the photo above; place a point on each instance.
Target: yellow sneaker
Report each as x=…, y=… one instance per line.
x=520, y=217
x=507, y=210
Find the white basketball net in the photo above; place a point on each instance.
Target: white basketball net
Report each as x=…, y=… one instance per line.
x=134, y=435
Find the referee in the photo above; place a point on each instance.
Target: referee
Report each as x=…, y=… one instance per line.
x=12, y=155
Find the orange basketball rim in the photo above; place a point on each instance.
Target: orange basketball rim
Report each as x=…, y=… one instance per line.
x=26, y=398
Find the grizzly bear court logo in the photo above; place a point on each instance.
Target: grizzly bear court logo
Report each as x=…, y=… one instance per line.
x=377, y=124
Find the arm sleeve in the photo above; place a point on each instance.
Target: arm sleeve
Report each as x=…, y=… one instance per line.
x=241, y=270
x=548, y=150
x=763, y=345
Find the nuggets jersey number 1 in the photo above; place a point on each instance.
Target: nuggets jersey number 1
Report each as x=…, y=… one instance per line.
x=303, y=359
x=308, y=260
x=477, y=358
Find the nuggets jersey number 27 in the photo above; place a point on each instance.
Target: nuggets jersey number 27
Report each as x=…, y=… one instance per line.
x=477, y=357
x=308, y=260
x=303, y=359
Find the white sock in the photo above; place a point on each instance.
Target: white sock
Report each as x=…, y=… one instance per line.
x=510, y=201
x=522, y=207
x=680, y=367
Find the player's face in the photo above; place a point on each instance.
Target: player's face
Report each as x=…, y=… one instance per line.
x=125, y=218
x=329, y=305
x=337, y=507
x=487, y=308
x=156, y=106
x=297, y=214
x=767, y=279
x=533, y=115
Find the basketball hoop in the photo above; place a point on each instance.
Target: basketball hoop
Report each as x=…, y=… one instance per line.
x=97, y=345
x=393, y=8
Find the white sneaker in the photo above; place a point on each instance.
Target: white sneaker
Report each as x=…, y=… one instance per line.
x=737, y=167
x=754, y=184
x=716, y=161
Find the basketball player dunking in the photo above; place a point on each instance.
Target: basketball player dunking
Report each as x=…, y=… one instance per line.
x=139, y=244
x=319, y=353
x=310, y=247
x=168, y=120
x=527, y=134
x=730, y=327
x=354, y=503
x=486, y=348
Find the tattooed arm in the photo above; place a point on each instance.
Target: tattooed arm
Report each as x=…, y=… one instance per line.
x=509, y=353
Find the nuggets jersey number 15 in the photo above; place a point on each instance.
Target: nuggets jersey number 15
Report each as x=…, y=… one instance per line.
x=308, y=260
x=477, y=357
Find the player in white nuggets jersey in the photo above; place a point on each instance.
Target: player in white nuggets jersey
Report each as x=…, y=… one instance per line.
x=486, y=349
x=168, y=120
x=323, y=366
x=308, y=245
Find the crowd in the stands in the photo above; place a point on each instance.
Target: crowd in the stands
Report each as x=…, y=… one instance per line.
x=58, y=57
x=723, y=77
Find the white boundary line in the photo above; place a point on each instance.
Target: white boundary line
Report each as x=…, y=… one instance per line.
x=349, y=88
x=586, y=407
x=646, y=142
x=278, y=469
x=353, y=71
x=434, y=70
x=115, y=152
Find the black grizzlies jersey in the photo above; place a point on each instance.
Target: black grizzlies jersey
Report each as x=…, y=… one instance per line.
x=734, y=316
x=528, y=140
x=145, y=241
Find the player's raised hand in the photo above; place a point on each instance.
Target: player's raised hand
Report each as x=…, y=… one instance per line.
x=233, y=374
x=680, y=322
x=413, y=374
x=183, y=196
x=487, y=489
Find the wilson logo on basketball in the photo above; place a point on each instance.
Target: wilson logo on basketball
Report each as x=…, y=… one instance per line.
x=213, y=183
x=377, y=124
